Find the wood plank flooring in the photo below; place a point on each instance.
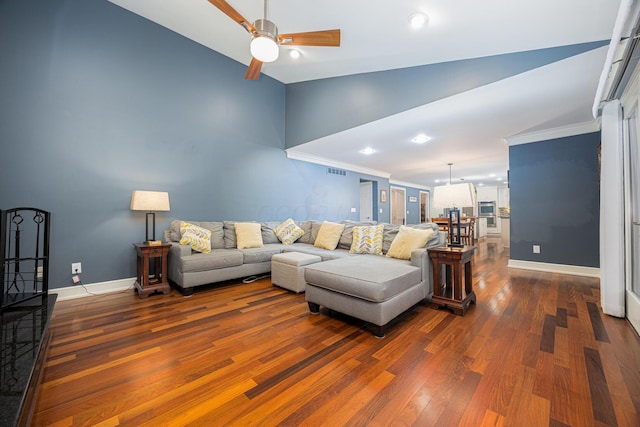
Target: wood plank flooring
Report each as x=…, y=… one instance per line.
x=535, y=350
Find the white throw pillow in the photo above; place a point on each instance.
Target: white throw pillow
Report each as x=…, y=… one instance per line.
x=407, y=240
x=248, y=235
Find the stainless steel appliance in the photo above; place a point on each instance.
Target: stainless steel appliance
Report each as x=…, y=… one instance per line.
x=488, y=210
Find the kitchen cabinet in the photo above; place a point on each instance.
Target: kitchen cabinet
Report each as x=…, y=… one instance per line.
x=480, y=229
x=487, y=193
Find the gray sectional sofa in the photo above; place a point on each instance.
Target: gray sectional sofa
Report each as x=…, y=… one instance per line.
x=374, y=288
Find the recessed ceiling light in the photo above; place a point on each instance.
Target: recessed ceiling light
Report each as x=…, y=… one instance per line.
x=492, y=175
x=295, y=54
x=418, y=20
x=421, y=138
x=368, y=151
x=437, y=181
x=480, y=185
x=499, y=179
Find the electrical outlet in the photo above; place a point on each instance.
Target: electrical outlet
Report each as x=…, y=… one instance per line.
x=353, y=210
x=76, y=268
x=536, y=249
x=40, y=272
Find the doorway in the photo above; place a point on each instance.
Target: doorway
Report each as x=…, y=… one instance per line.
x=632, y=220
x=398, y=206
x=425, y=209
x=366, y=200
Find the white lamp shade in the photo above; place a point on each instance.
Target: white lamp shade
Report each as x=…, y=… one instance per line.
x=264, y=49
x=151, y=201
x=454, y=196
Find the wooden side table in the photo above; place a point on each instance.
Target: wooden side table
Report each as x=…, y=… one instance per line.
x=147, y=283
x=453, y=293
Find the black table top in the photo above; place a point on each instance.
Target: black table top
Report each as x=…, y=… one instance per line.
x=22, y=329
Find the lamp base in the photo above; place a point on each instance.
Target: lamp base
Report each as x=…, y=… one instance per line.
x=154, y=242
x=455, y=245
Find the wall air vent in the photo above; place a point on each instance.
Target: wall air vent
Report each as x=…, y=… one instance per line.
x=335, y=171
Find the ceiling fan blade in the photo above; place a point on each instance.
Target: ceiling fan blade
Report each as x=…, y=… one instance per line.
x=312, y=38
x=253, y=73
x=233, y=14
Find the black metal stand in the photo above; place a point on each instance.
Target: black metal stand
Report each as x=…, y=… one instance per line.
x=17, y=283
x=454, y=224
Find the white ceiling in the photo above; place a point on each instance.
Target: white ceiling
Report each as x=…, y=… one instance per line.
x=468, y=129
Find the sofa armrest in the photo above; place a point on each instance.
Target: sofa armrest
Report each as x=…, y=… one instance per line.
x=178, y=250
x=420, y=258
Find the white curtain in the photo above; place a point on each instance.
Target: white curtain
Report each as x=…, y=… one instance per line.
x=612, y=278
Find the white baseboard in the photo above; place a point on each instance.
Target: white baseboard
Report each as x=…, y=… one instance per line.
x=575, y=270
x=77, y=291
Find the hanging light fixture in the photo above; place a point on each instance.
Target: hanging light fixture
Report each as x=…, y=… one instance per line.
x=264, y=45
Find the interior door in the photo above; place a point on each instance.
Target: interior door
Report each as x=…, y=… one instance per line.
x=425, y=216
x=366, y=201
x=632, y=296
x=398, y=206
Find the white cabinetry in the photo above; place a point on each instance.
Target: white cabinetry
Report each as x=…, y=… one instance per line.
x=481, y=228
x=487, y=193
x=503, y=197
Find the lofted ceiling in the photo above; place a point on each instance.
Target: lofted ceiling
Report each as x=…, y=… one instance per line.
x=468, y=129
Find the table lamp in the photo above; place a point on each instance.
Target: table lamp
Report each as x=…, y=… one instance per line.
x=152, y=202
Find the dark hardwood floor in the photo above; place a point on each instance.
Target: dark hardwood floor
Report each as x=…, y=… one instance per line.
x=535, y=350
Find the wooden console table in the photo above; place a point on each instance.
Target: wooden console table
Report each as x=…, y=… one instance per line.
x=147, y=283
x=453, y=293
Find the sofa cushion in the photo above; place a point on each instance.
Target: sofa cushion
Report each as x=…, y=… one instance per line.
x=230, y=241
x=329, y=235
x=248, y=235
x=217, y=259
x=269, y=233
x=407, y=240
x=367, y=240
x=197, y=237
x=306, y=227
x=369, y=277
x=312, y=250
x=263, y=254
x=288, y=232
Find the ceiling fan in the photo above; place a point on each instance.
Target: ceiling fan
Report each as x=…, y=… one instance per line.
x=266, y=40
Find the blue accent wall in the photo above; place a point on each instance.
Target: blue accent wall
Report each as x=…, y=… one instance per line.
x=555, y=200
x=97, y=102
x=341, y=103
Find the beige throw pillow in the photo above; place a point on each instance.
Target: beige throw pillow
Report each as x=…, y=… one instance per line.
x=329, y=235
x=248, y=235
x=407, y=240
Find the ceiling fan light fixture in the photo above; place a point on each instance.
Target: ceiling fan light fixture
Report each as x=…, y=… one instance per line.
x=264, y=46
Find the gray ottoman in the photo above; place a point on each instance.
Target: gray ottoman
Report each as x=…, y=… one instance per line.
x=372, y=288
x=287, y=269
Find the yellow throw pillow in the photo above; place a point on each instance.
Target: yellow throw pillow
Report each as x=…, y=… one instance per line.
x=367, y=240
x=197, y=237
x=329, y=235
x=248, y=235
x=407, y=240
x=288, y=232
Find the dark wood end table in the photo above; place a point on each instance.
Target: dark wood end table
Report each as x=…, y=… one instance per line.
x=147, y=283
x=453, y=293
